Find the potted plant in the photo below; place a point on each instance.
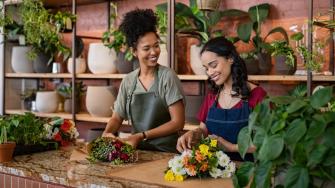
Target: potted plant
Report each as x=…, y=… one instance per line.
x=65, y=90
x=295, y=142
x=80, y=60
x=285, y=59
x=6, y=146
x=257, y=15
x=63, y=21
x=251, y=62
x=42, y=35
x=28, y=97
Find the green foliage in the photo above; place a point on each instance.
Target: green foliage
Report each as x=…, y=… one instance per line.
x=10, y=24
x=283, y=48
x=65, y=90
x=63, y=20
x=257, y=15
x=293, y=134
x=40, y=32
x=4, y=128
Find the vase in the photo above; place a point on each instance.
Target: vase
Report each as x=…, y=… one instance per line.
x=264, y=60
x=20, y=60
x=80, y=65
x=100, y=100
x=252, y=66
x=163, y=57
x=196, y=64
x=281, y=68
x=123, y=66
x=41, y=65
x=101, y=59
x=46, y=101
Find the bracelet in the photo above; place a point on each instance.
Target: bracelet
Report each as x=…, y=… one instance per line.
x=144, y=136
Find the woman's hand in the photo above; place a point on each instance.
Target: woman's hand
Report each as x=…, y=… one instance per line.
x=189, y=139
x=105, y=134
x=226, y=145
x=134, y=139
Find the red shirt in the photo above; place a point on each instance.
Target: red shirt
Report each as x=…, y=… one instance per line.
x=256, y=96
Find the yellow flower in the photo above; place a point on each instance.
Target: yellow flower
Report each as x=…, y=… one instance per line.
x=169, y=176
x=204, y=149
x=210, y=154
x=214, y=143
x=179, y=177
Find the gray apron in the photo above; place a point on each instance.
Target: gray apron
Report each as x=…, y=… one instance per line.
x=147, y=111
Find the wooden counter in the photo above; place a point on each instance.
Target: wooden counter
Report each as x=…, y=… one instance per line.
x=55, y=168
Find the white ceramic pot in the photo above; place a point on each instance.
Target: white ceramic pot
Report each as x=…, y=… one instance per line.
x=101, y=59
x=20, y=60
x=80, y=65
x=46, y=101
x=196, y=64
x=100, y=100
x=163, y=57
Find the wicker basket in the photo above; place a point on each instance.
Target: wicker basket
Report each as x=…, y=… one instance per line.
x=208, y=4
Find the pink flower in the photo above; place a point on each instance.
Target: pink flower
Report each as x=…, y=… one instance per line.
x=124, y=156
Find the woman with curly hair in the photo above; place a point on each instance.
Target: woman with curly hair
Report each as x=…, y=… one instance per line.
x=150, y=97
x=225, y=110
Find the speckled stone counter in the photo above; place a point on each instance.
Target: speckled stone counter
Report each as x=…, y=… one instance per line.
x=56, y=167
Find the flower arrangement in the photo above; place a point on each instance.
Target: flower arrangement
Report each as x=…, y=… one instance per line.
x=62, y=131
x=112, y=150
x=205, y=160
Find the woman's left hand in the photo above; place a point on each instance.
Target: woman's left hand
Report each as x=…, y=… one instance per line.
x=226, y=145
x=133, y=139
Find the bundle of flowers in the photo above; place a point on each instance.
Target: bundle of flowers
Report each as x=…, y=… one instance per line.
x=204, y=160
x=112, y=150
x=61, y=130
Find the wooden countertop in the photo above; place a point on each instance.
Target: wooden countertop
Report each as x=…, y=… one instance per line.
x=56, y=167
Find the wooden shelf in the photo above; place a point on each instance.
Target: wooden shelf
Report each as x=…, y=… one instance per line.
x=193, y=77
x=39, y=114
x=100, y=76
x=38, y=75
x=289, y=78
x=89, y=118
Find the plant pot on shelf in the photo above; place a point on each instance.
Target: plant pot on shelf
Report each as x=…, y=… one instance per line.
x=264, y=60
x=281, y=68
x=163, y=57
x=124, y=66
x=208, y=4
x=196, y=64
x=101, y=59
x=6, y=151
x=100, y=100
x=46, y=101
x=40, y=63
x=20, y=60
x=80, y=65
x=68, y=106
x=252, y=66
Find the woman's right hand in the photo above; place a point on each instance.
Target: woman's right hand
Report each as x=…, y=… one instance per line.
x=105, y=134
x=187, y=140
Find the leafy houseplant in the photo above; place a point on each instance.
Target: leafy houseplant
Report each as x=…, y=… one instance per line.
x=6, y=147
x=295, y=140
x=257, y=15
x=285, y=57
x=63, y=21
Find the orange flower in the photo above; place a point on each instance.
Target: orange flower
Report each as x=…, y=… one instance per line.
x=185, y=161
x=204, y=167
x=66, y=125
x=191, y=169
x=198, y=156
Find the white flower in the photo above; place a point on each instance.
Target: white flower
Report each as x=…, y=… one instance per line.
x=226, y=174
x=177, y=170
x=223, y=159
x=176, y=161
x=215, y=172
x=231, y=167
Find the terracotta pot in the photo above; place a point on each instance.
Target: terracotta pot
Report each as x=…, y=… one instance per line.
x=101, y=59
x=20, y=60
x=100, y=100
x=46, y=101
x=80, y=65
x=6, y=151
x=163, y=57
x=196, y=64
x=281, y=68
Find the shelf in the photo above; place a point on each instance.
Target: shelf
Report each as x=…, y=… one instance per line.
x=100, y=76
x=38, y=75
x=62, y=115
x=13, y=2
x=289, y=78
x=88, y=117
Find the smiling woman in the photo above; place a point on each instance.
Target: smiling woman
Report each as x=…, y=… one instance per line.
x=226, y=108
x=150, y=97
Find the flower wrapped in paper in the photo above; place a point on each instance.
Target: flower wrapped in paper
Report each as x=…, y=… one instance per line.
x=204, y=160
x=61, y=130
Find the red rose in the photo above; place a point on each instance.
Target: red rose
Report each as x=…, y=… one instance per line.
x=65, y=126
x=124, y=156
x=118, y=145
x=58, y=137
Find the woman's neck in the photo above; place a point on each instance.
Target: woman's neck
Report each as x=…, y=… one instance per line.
x=227, y=85
x=146, y=71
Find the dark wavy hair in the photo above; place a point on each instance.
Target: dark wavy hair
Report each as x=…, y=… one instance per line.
x=224, y=48
x=136, y=24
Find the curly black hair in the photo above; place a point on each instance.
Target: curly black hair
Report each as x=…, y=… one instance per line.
x=224, y=48
x=136, y=24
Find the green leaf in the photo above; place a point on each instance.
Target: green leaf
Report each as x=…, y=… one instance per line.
x=297, y=36
x=329, y=158
x=299, y=154
x=297, y=177
x=282, y=99
x=244, y=32
x=328, y=137
x=321, y=97
x=271, y=148
x=259, y=13
x=296, y=130
x=295, y=106
x=233, y=13
x=278, y=30
x=316, y=155
x=244, y=173
x=263, y=175
x=243, y=141
x=259, y=137
x=316, y=128
x=279, y=125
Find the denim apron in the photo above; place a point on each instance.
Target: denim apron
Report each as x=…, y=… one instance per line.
x=227, y=123
x=147, y=110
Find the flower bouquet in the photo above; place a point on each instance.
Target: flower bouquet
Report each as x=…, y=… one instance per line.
x=204, y=160
x=112, y=150
x=62, y=131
